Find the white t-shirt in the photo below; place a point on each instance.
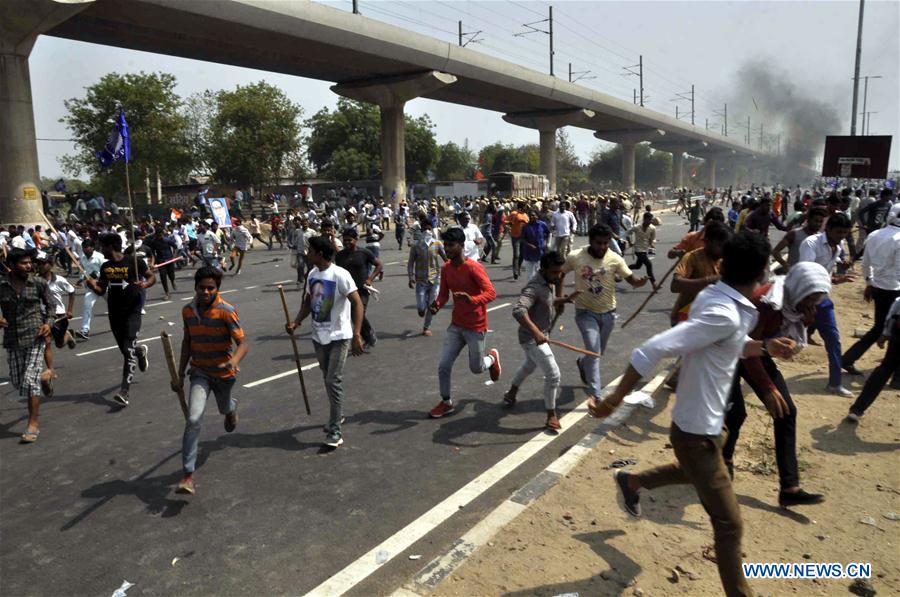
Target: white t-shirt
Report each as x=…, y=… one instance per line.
x=328, y=290
x=59, y=288
x=470, y=249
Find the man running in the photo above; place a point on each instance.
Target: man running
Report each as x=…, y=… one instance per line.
x=331, y=295
x=212, y=329
x=91, y=261
x=364, y=267
x=595, y=268
x=27, y=307
x=472, y=290
x=644, y=242
x=122, y=284
x=710, y=342
x=242, y=240
x=163, y=249
x=534, y=313
x=426, y=257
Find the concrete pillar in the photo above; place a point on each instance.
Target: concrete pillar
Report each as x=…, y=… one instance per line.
x=20, y=24
x=677, y=169
x=548, y=157
x=391, y=95
x=393, y=152
x=20, y=196
x=711, y=166
x=628, y=165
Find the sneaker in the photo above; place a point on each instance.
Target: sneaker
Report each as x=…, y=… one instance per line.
x=799, y=498
x=581, y=370
x=327, y=429
x=121, y=398
x=852, y=417
x=441, y=410
x=186, y=485
x=839, y=391
x=426, y=332
x=231, y=421
x=495, y=366
x=852, y=370
x=82, y=334
x=143, y=357
x=631, y=498
x=334, y=440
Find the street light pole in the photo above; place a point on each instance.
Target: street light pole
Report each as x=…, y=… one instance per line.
x=859, y=31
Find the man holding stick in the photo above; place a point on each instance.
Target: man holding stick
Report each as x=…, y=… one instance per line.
x=533, y=312
x=596, y=268
x=211, y=325
x=330, y=297
x=711, y=342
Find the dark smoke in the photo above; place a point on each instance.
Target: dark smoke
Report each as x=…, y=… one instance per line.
x=803, y=115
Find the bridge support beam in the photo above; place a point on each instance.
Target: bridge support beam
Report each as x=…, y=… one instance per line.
x=391, y=95
x=677, y=169
x=629, y=139
x=547, y=123
x=20, y=195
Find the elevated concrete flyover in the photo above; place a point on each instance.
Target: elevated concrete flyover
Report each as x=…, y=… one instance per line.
x=302, y=38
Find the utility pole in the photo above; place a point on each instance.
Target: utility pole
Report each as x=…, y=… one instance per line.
x=629, y=71
x=676, y=112
x=862, y=4
x=724, y=115
x=578, y=75
x=748, y=130
x=692, y=104
x=761, y=136
x=707, y=124
x=460, y=34
x=533, y=29
x=641, y=69
x=356, y=7
x=472, y=35
x=634, y=100
x=866, y=95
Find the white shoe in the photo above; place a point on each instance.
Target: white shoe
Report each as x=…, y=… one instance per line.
x=839, y=391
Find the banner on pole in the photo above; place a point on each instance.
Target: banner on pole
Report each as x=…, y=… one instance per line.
x=219, y=208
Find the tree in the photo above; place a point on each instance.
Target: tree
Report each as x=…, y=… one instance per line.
x=252, y=136
x=571, y=175
x=158, y=129
x=345, y=144
x=455, y=162
x=199, y=109
x=509, y=158
x=651, y=168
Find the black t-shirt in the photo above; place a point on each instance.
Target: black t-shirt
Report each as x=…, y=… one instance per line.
x=357, y=262
x=118, y=277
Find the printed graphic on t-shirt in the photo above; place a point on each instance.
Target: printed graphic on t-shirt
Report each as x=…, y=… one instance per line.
x=321, y=299
x=593, y=278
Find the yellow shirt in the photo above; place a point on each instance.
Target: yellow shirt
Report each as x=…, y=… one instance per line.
x=740, y=220
x=596, y=279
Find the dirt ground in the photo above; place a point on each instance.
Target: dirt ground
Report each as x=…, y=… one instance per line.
x=577, y=539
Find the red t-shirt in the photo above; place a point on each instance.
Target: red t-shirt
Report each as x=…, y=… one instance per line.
x=471, y=278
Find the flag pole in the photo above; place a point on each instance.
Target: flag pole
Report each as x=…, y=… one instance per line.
x=133, y=235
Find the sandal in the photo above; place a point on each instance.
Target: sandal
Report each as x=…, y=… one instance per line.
x=29, y=437
x=47, y=383
x=509, y=400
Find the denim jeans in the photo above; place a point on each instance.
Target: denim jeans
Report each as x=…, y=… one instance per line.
x=582, y=223
x=201, y=386
x=827, y=327
x=518, y=244
x=595, y=329
x=540, y=356
x=331, y=358
x=883, y=300
x=531, y=268
x=457, y=338
x=426, y=292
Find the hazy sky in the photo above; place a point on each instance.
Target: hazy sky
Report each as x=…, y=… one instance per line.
x=810, y=44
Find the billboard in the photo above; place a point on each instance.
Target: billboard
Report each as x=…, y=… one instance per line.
x=856, y=157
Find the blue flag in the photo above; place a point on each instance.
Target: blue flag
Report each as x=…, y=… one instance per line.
x=118, y=146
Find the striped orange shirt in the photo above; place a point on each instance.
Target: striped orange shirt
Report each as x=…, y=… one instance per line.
x=211, y=334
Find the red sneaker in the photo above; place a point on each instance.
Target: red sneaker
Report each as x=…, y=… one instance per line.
x=442, y=409
x=495, y=366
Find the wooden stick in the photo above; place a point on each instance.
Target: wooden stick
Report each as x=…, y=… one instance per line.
x=652, y=294
x=596, y=355
x=287, y=318
x=72, y=256
x=173, y=370
x=158, y=265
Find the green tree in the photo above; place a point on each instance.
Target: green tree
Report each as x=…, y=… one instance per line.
x=571, y=175
x=158, y=130
x=498, y=157
x=455, y=162
x=345, y=144
x=253, y=135
x=651, y=168
x=199, y=109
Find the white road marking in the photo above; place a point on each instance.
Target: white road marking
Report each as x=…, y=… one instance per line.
x=158, y=304
x=292, y=371
x=392, y=263
x=140, y=341
x=281, y=282
x=400, y=541
x=250, y=287
x=227, y=291
x=498, y=307
x=3, y=383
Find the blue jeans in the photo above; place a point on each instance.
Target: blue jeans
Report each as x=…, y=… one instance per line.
x=540, y=356
x=426, y=292
x=201, y=386
x=331, y=358
x=518, y=246
x=457, y=338
x=827, y=327
x=595, y=329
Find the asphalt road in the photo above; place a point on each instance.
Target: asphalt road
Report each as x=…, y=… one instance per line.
x=92, y=503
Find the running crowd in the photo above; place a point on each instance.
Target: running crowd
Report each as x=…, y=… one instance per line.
x=740, y=304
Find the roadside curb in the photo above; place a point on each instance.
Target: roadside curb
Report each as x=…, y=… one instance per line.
x=428, y=578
